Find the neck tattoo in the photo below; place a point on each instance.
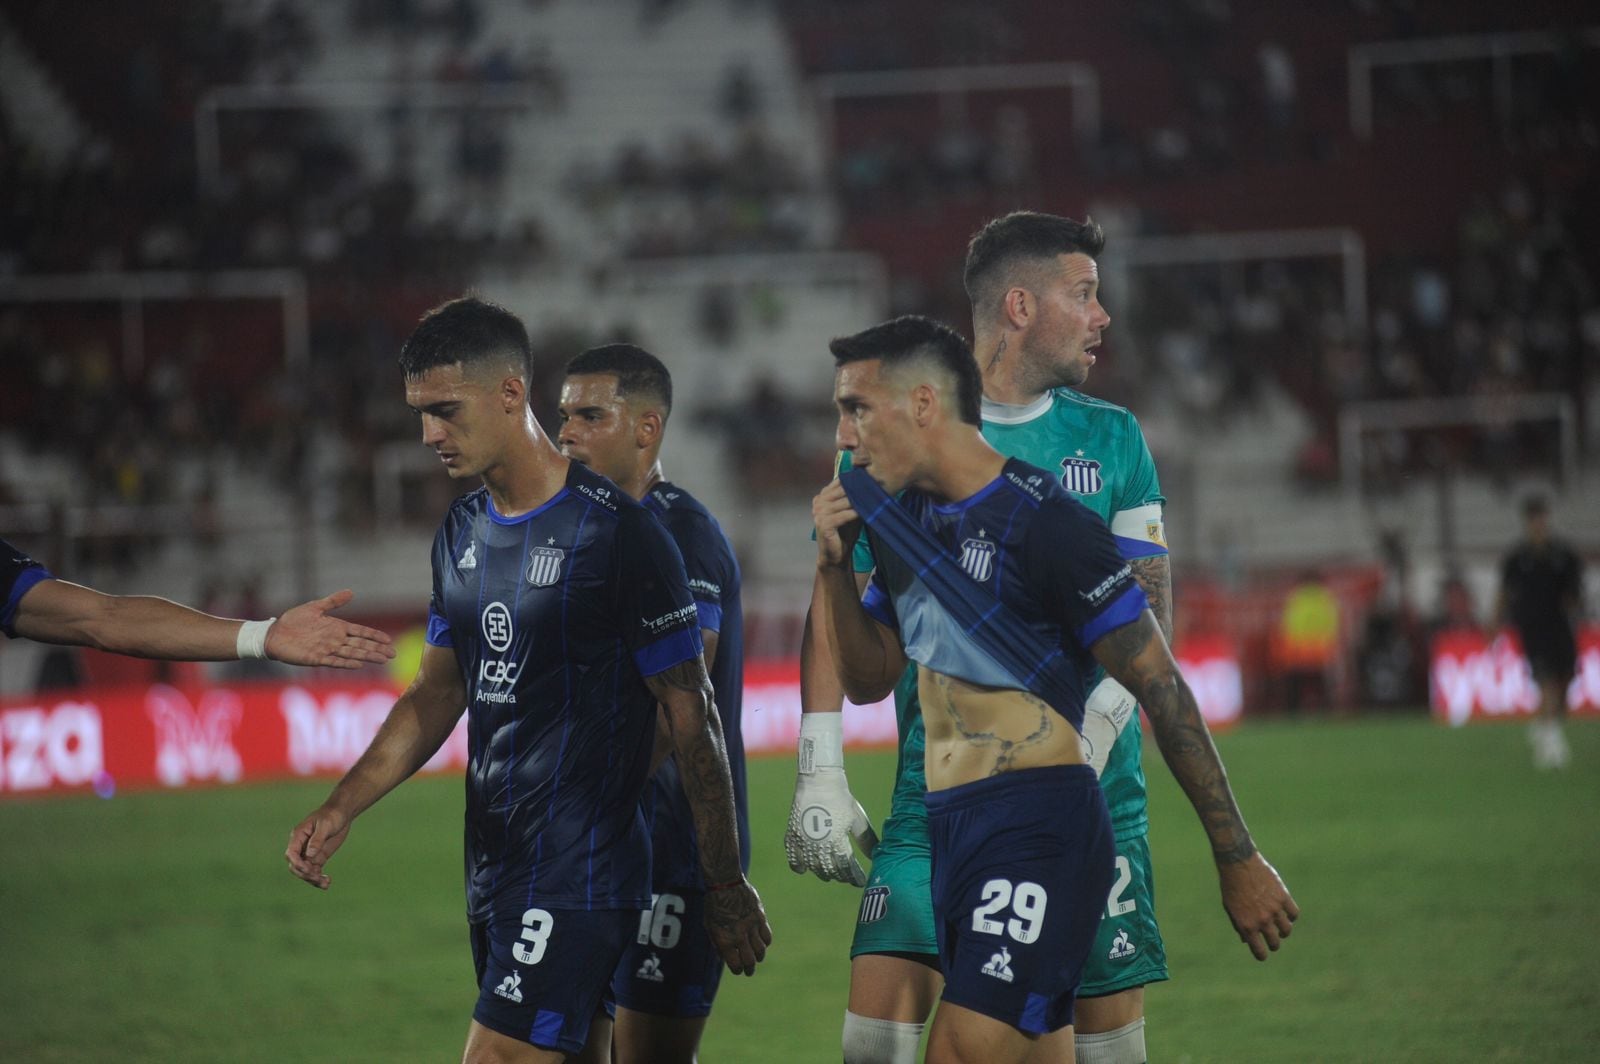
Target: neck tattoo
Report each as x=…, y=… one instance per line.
x=995, y=361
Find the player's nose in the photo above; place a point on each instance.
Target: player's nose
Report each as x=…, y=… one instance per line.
x=844, y=437
x=432, y=430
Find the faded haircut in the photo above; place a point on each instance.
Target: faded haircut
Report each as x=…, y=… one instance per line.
x=915, y=339
x=471, y=331
x=638, y=372
x=1001, y=253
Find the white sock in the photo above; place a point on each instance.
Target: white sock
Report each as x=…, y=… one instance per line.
x=873, y=1041
x=1125, y=1045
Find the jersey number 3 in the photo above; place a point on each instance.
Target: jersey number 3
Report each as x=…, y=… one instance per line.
x=536, y=927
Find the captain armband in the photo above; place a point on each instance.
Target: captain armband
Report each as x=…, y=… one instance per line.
x=1140, y=531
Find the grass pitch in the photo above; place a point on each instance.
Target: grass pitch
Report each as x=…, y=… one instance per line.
x=1451, y=900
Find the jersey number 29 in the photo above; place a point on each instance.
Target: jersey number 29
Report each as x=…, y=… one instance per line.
x=1026, y=900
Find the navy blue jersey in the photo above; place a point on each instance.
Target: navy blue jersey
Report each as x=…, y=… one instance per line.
x=18, y=573
x=1026, y=542
x=555, y=618
x=714, y=581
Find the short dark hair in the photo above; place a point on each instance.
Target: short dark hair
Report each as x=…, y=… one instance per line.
x=1022, y=238
x=914, y=338
x=638, y=372
x=470, y=331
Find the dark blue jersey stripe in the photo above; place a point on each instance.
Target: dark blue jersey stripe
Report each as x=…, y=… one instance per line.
x=1124, y=609
x=675, y=649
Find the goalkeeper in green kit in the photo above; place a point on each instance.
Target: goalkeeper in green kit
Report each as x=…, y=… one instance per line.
x=1033, y=283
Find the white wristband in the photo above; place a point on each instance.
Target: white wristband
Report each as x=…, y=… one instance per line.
x=252, y=640
x=821, y=741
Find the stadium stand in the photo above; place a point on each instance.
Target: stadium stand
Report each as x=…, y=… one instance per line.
x=222, y=216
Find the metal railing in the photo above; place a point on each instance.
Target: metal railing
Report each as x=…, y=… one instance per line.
x=1498, y=48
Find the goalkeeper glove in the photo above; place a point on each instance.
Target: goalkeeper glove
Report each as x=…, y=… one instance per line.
x=825, y=816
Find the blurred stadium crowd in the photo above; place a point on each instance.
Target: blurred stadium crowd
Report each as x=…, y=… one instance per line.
x=1474, y=196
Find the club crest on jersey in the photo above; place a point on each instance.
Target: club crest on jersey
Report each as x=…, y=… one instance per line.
x=544, y=565
x=874, y=905
x=977, y=558
x=1081, y=476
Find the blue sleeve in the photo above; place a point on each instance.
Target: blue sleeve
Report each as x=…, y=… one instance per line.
x=1086, y=585
x=660, y=622
x=439, y=634
x=19, y=574
x=708, y=561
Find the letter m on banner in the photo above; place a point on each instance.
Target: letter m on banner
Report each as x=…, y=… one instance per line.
x=194, y=742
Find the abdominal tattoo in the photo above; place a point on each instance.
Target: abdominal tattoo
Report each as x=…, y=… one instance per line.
x=1007, y=750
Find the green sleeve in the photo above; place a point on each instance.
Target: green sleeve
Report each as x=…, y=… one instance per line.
x=1141, y=487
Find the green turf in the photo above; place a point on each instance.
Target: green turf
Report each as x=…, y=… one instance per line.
x=1450, y=897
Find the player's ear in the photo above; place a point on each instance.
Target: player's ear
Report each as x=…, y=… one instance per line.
x=647, y=430
x=1017, y=308
x=924, y=402
x=513, y=393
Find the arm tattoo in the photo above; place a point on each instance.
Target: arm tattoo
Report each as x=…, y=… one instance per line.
x=1155, y=576
x=1133, y=656
x=702, y=755
x=685, y=676
x=1007, y=750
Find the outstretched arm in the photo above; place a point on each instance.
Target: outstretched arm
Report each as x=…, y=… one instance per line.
x=56, y=611
x=419, y=723
x=1257, y=902
x=734, y=916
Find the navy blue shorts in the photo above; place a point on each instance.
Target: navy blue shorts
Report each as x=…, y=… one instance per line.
x=1022, y=864
x=670, y=968
x=544, y=973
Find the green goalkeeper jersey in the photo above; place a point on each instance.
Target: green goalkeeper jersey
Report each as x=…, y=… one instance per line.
x=1099, y=451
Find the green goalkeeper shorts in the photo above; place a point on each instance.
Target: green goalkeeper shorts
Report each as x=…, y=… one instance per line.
x=897, y=904
x=896, y=913
x=1127, y=951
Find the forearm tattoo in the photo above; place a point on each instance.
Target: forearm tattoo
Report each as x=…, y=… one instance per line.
x=702, y=757
x=1006, y=750
x=1129, y=655
x=1155, y=576
x=685, y=676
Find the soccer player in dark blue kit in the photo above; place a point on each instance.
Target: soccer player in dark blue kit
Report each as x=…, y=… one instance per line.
x=615, y=403
x=561, y=616
x=1005, y=591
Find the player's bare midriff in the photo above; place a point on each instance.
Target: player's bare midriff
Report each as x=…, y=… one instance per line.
x=974, y=731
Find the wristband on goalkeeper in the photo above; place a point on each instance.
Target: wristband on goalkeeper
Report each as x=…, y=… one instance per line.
x=821, y=742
